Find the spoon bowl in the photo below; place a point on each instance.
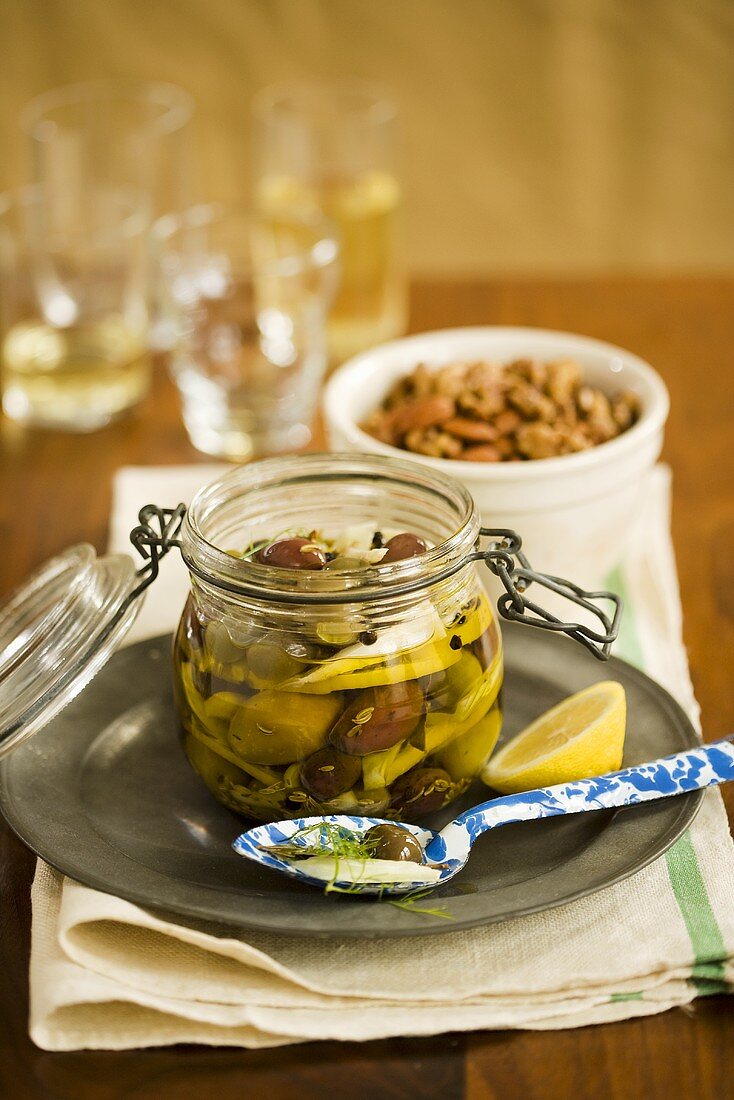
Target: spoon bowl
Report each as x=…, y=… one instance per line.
x=448, y=850
x=255, y=845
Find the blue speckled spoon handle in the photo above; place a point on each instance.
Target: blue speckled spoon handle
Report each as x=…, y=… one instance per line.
x=684, y=771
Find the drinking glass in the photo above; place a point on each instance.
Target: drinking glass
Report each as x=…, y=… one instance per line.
x=106, y=158
x=108, y=135
x=73, y=308
x=248, y=303
x=331, y=150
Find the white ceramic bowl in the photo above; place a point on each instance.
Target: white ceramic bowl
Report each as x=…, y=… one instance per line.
x=575, y=513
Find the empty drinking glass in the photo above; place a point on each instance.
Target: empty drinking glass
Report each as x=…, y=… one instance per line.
x=109, y=135
x=248, y=304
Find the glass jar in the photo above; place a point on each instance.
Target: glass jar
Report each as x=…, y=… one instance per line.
x=373, y=691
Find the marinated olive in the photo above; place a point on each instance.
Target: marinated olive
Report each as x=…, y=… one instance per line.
x=190, y=631
x=393, y=842
x=212, y=768
x=331, y=708
x=403, y=546
x=297, y=553
x=464, y=677
x=344, y=565
x=278, y=727
x=466, y=755
x=272, y=664
x=421, y=791
x=222, y=645
x=329, y=773
x=378, y=718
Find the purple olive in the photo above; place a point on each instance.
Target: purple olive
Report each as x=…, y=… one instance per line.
x=421, y=791
x=295, y=553
x=403, y=546
x=328, y=773
x=378, y=718
x=393, y=842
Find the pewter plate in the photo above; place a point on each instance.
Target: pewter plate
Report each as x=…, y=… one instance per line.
x=105, y=794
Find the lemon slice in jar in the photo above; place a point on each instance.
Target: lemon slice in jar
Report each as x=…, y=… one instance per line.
x=582, y=736
x=420, y=646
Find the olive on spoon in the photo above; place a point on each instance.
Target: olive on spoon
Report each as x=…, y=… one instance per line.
x=445, y=853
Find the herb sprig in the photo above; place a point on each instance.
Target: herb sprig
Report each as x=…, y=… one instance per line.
x=334, y=840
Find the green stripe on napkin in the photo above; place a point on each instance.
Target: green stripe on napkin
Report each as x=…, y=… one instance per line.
x=703, y=929
x=684, y=872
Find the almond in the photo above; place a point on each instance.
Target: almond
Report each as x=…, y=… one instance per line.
x=476, y=431
x=426, y=412
x=483, y=452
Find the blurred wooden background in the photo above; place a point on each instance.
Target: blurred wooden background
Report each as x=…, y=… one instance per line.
x=537, y=135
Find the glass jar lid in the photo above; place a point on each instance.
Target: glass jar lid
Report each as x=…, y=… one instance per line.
x=57, y=629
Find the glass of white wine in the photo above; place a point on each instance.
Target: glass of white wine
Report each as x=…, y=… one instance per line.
x=331, y=150
x=73, y=310
x=75, y=250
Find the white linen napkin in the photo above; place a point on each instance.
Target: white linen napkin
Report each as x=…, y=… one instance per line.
x=106, y=974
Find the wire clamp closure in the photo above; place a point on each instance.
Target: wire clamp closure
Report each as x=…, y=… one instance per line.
x=504, y=557
x=156, y=533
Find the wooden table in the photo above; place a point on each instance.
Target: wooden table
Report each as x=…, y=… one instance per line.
x=55, y=490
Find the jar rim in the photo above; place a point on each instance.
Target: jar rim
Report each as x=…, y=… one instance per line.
x=221, y=569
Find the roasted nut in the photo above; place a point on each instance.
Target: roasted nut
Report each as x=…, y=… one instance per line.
x=422, y=381
x=506, y=447
x=507, y=421
x=532, y=370
x=426, y=412
x=625, y=410
x=482, y=452
x=432, y=442
x=379, y=425
x=474, y=431
x=479, y=411
x=538, y=440
x=485, y=404
x=531, y=403
x=564, y=377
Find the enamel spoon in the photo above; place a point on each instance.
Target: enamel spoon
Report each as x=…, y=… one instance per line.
x=447, y=852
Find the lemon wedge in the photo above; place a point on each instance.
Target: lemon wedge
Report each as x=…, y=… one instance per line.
x=581, y=737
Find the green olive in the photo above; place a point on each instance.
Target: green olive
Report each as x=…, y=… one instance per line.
x=463, y=677
x=421, y=791
x=345, y=564
x=393, y=842
x=378, y=718
x=329, y=773
x=278, y=727
x=211, y=767
x=466, y=755
x=224, y=645
x=271, y=664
